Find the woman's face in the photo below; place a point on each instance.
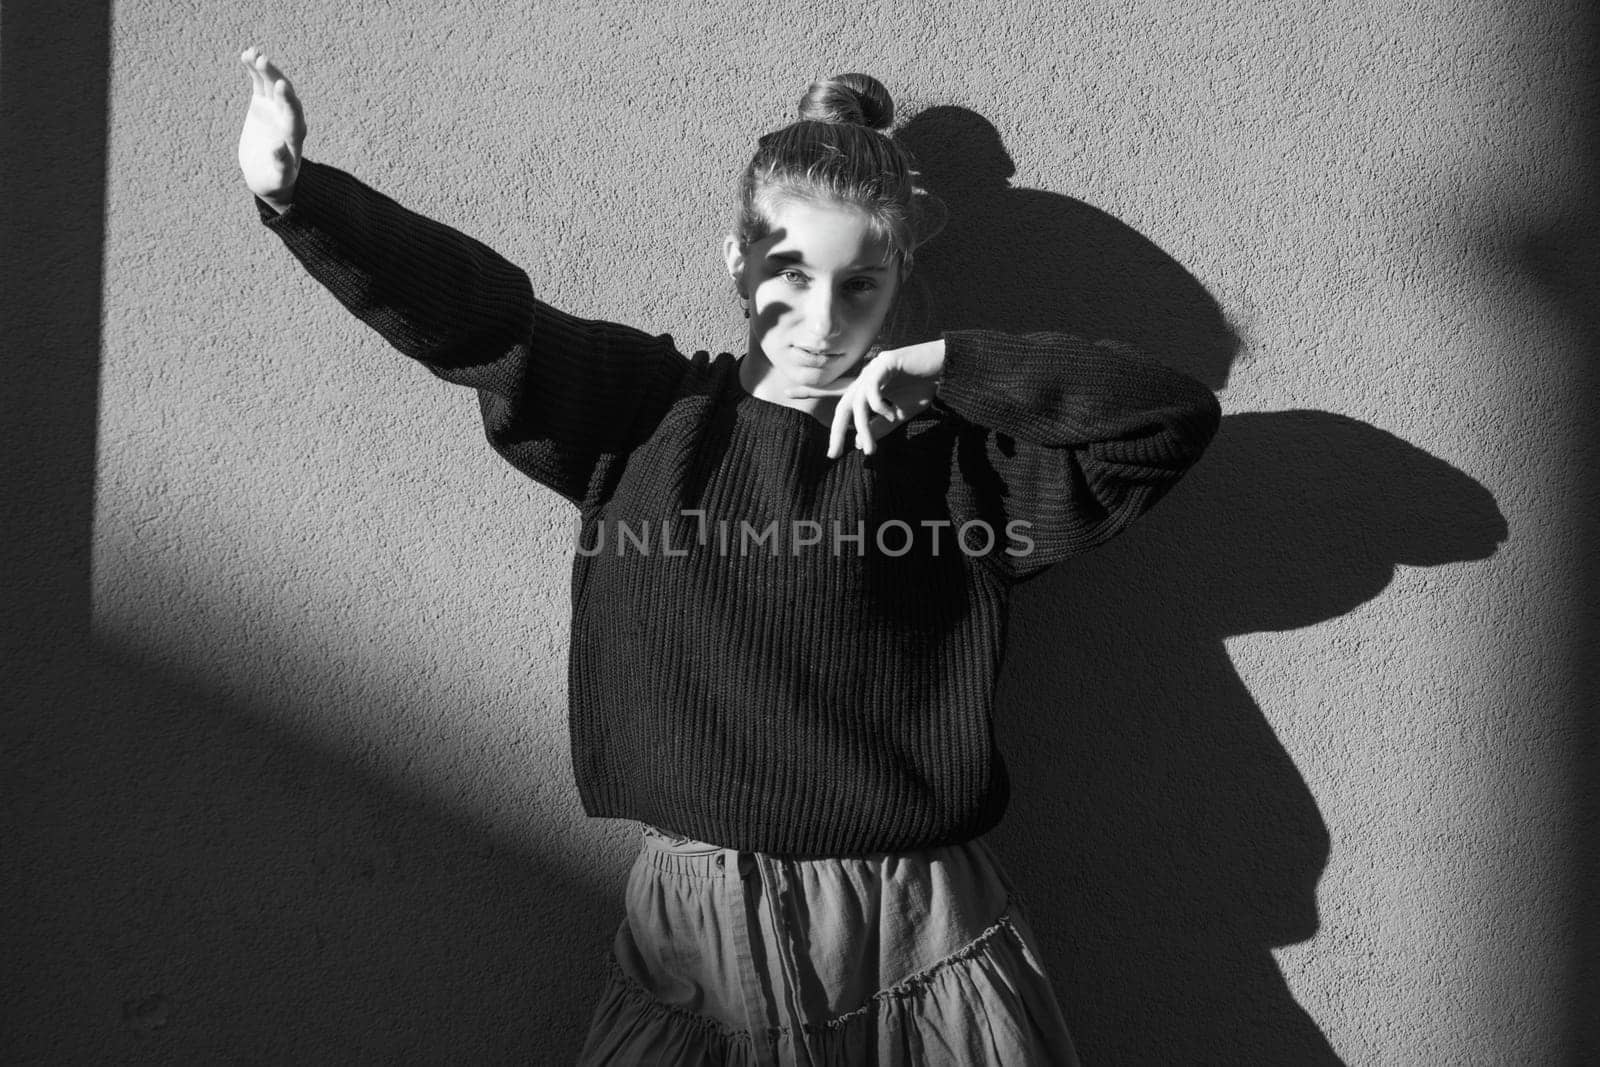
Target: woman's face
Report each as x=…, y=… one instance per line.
x=820, y=285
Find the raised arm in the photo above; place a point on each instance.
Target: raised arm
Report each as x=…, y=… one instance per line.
x=1075, y=438
x=561, y=397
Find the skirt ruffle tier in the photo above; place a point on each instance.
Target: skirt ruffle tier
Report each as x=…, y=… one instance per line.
x=739, y=958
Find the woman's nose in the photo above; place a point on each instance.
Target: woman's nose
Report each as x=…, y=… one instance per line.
x=822, y=313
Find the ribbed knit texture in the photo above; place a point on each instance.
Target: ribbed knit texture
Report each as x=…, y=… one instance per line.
x=803, y=699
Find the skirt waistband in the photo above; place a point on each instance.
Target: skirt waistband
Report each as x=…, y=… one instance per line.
x=674, y=854
x=685, y=857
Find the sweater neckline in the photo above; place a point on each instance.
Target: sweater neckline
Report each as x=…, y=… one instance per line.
x=755, y=405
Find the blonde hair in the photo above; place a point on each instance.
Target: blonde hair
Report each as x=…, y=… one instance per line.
x=838, y=151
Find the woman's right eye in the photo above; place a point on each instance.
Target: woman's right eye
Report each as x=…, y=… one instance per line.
x=793, y=277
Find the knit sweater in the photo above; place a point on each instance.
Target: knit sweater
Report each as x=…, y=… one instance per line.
x=771, y=650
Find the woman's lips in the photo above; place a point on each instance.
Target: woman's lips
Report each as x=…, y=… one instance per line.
x=817, y=353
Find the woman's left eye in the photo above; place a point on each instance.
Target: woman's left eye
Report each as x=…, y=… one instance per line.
x=861, y=285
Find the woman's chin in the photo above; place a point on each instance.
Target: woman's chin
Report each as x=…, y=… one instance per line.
x=820, y=371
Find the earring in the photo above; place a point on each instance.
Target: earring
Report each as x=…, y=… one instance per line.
x=744, y=303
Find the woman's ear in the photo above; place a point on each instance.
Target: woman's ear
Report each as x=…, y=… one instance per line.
x=733, y=256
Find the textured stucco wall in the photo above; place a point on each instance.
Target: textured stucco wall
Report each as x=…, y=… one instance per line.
x=1297, y=761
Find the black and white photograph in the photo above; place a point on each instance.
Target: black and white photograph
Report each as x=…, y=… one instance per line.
x=949, y=534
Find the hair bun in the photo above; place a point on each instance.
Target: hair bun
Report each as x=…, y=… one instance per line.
x=852, y=99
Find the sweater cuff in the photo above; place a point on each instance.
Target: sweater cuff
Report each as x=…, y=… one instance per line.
x=310, y=193
x=334, y=224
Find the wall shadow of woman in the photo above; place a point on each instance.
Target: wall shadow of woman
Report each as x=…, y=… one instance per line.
x=1162, y=835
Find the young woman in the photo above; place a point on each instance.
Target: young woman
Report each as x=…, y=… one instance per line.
x=783, y=647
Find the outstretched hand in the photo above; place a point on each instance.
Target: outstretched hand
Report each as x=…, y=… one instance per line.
x=274, y=131
x=884, y=393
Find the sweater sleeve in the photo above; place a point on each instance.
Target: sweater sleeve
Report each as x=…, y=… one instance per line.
x=562, y=398
x=1070, y=440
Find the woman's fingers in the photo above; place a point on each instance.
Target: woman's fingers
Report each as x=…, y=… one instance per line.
x=274, y=102
x=263, y=72
x=852, y=413
x=847, y=416
x=876, y=413
x=878, y=401
x=257, y=83
x=267, y=79
x=863, y=420
x=277, y=86
x=269, y=73
x=286, y=98
x=864, y=408
x=888, y=409
x=836, y=433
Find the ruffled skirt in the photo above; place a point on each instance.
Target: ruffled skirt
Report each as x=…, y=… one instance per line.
x=913, y=958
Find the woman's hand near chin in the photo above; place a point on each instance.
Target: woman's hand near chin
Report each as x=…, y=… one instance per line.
x=881, y=394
